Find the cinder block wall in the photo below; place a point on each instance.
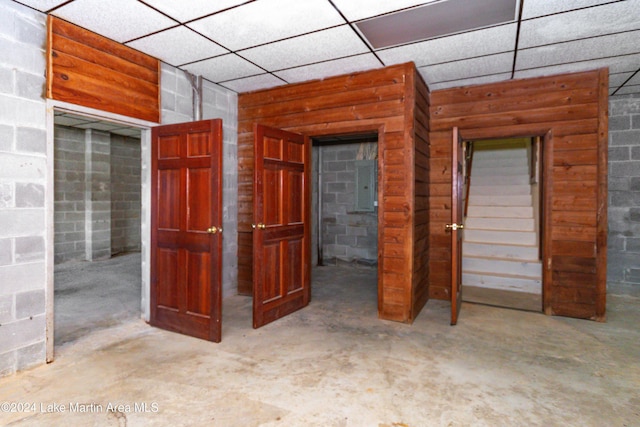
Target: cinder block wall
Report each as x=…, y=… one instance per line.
x=69, y=189
x=623, y=263
x=217, y=103
x=347, y=235
x=125, y=194
x=23, y=168
x=97, y=194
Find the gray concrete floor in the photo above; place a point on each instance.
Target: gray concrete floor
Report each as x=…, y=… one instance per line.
x=335, y=364
x=94, y=295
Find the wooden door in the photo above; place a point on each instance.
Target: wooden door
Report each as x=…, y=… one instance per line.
x=186, y=233
x=456, y=227
x=281, y=209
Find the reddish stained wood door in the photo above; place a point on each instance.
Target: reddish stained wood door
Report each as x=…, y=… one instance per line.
x=186, y=219
x=456, y=227
x=281, y=209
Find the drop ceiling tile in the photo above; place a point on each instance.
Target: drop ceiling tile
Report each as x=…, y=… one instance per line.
x=119, y=20
x=42, y=5
x=615, y=80
x=621, y=64
x=222, y=68
x=472, y=81
x=533, y=8
x=67, y=120
x=460, y=46
x=636, y=79
x=595, y=21
x=628, y=90
x=178, y=46
x=354, y=10
x=266, y=21
x=132, y=132
x=186, y=10
x=303, y=50
x=99, y=125
x=468, y=68
x=579, y=50
x=330, y=68
x=248, y=84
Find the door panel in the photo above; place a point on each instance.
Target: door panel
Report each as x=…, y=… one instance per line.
x=186, y=254
x=456, y=227
x=281, y=242
x=198, y=199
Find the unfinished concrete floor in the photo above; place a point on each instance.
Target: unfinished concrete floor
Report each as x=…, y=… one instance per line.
x=94, y=295
x=335, y=364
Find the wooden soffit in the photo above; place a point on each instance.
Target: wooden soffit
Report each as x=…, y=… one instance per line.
x=84, y=68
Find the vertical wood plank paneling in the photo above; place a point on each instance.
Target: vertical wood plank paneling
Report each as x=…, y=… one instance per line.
x=571, y=109
x=420, y=115
x=87, y=69
x=368, y=101
x=601, y=215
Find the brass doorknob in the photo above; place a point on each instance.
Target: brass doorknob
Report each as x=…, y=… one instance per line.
x=260, y=226
x=214, y=230
x=454, y=227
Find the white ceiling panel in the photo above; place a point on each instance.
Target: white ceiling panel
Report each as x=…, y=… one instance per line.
x=42, y=5
x=595, y=21
x=99, y=125
x=225, y=67
x=476, y=43
x=249, y=84
x=132, y=132
x=315, y=47
x=466, y=82
x=119, y=20
x=615, y=80
x=186, y=10
x=330, y=68
x=635, y=80
x=467, y=69
x=621, y=64
x=68, y=120
x=534, y=8
x=579, y=50
x=265, y=21
x=354, y=10
x=627, y=90
x=178, y=46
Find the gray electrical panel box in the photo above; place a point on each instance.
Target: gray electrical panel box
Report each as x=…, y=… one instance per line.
x=366, y=185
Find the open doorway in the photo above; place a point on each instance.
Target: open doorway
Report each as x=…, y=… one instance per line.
x=502, y=243
x=345, y=216
x=97, y=225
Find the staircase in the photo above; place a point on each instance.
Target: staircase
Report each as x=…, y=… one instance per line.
x=500, y=264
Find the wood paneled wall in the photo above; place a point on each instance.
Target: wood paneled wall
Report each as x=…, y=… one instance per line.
x=380, y=100
x=420, y=115
x=86, y=69
x=571, y=110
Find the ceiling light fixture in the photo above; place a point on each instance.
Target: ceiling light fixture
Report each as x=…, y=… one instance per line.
x=435, y=20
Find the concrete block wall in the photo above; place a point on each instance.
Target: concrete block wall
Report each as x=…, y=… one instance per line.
x=623, y=256
x=97, y=194
x=176, y=95
x=69, y=201
x=347, y=235
x=217, y=103
x=125, y=194
x=220, y=103
x=23, y=179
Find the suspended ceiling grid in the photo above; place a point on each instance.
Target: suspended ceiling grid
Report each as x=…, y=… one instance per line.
x=249, y=45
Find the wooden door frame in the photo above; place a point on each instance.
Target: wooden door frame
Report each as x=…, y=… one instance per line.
x=378, y=128
x=145, y=219
x=546, y=171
